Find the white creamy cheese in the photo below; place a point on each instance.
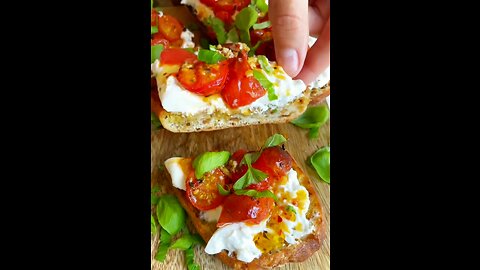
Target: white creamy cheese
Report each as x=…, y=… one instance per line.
x=286, y=90
x=301, y=226
x=187, y=37
x=211, y=215
x=175, y=98
x=238, y=238
x=175, y=170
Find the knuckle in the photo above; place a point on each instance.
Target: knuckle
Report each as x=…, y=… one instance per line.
x=289, y=22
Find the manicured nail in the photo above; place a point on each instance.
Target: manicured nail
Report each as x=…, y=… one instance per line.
x=290, y=61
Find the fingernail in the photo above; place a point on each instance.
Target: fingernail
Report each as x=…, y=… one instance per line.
x=290, y=61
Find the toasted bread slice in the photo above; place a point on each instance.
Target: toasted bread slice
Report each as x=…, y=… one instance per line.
x=177, y=122
x=292, y=253
x=318, y=95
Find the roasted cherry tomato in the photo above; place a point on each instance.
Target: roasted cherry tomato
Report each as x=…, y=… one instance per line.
x=237, y=208
x=241, y=89
x=176, y=56
x=158, y=38
x=170, y=27
x=203, y=194
x=202, y=78
x=274, y=161
x=153, y=18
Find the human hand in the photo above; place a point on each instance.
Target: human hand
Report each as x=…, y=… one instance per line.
x=292, y=23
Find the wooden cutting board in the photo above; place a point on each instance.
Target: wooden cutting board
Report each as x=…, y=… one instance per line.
x=165, y=144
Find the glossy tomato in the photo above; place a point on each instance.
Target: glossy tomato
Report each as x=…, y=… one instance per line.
x=274, y=161
x=170, y=27
x=176, y=56
x=203, y=194
x=158, y=38
x=241, y=88
x=202, y=78
x=238, y=208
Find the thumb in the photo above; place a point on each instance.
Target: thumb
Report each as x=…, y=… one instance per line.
x=289, y=20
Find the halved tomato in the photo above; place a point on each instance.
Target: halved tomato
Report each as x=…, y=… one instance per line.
x=202, y=78
x=176, y=56
x=170, y=27
x=203, y=194
x=274, y=161
x=237, y=208
x=158, y=38
x=241, y=89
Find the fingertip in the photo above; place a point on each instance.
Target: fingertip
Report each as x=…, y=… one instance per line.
x=288, y=60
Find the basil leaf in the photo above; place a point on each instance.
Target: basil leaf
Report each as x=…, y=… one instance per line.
x=244, y=180
x=212, y=48
x=151, y=4
x=155, y=121
x=261, y=5
x=262, y=79
x=250, y=158
x=245, y=37
x=262, y=59
x=263, y=25
x=186, y=241
x=257, y=194
x=155, y=52
x=153, y=30
x=209, y=161
x=321, y=162
x=165, y=239
x=258, y=175
x=254, y=48
x=153, y=228
x=154, y=195
x=170, y=214
x=210, y=57
x=274, y=140
x=219, y=28
x=222, y=191
x=291, y=209
x=190, y=258
x=314, y=132
x=313, y=117
x=246, y=18
x=232, y=35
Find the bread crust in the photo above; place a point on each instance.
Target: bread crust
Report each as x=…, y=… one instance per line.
x=318, y=95
x=292, y=253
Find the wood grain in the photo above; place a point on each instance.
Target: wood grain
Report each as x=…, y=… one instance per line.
x=165, y=144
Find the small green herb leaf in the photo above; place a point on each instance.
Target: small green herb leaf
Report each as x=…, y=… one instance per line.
x=153, y=30
x=209, y=161
x=261, y=5
x=245, y=37
x=291, y=209
x=233, y=35
x=190, y=258
x=262, y=79
x=321, y=162
x=210, y=57
x=262, y=59
x=263, y=25
x=313, y=133
x=246, y=18
x=155, y=52
x=219, y=28
x=274, y=140
x=222, y=191
x=256, y=194
x=313, y=117
x=170, y=214
x=186, y=241
x=165, y=239
x=258, y=175
x=254, y=48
